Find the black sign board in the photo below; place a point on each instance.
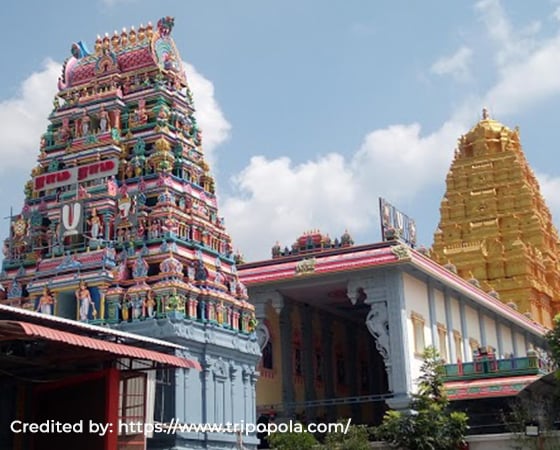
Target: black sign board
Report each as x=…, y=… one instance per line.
x=395, y=224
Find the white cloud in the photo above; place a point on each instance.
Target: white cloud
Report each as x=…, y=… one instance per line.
x=511, y=43
x=456, y=65
x=23, y=118
x=556, y=13
x=529, y=81
x=276, y=200
x=215, y=127
x=550, y=189
x=111, y=3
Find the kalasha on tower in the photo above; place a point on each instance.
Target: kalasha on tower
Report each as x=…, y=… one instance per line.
x=120, y=224
x=495, y=228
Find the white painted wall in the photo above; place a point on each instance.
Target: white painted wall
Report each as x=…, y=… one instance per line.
x=416, y=301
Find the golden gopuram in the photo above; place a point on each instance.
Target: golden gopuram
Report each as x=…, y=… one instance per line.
x=495, y=228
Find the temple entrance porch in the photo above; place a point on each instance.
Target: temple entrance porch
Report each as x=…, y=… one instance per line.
x=321, y=360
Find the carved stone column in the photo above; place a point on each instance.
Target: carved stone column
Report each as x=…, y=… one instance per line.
x=308, y=352
x=233, y=370
x=184, y=410
x=208, y=410
x=328, y=352
x=351, y=347
x=253, y=380
x=386, y=321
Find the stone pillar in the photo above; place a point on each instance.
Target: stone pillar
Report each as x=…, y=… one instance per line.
x=187, y=408
x=288, y=392
x=352, y=354
x=308, y=354
x=233, y=369
x=328, y=352
x=386, y=321
x=246, y=393
x=208, y=410
x=253, y=411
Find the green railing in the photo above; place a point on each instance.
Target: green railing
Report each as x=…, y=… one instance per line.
x=485, y=367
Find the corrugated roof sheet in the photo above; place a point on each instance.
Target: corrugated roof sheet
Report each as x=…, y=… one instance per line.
x=18, y=330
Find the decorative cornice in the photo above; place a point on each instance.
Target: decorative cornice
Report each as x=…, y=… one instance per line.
x=282, y=270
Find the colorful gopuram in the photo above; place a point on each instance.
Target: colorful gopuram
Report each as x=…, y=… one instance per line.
x=495, y=228
x=120, y=226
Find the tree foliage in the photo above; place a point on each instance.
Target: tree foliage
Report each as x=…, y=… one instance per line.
x=357, y=438
x=553, y=341
x=428, y=425
x=292, y=440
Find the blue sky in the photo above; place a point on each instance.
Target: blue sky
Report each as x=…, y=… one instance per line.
x=311, y=110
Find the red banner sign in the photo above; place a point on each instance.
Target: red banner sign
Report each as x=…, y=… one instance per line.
x=75, y=175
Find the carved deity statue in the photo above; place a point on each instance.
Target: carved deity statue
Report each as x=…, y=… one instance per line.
x=125, y=306
x=85, y=124
x=103, y=120
x=149, y=305
x=85, y=302
x=46, y=302
x=95, y=224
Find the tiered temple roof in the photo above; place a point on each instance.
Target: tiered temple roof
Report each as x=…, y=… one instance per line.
x=121, y=199
x=495, y=226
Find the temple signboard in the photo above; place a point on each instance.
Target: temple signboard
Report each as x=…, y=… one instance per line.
x=395, y=224
x=74, y=175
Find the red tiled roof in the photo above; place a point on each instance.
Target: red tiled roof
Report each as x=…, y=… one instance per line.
x=11, y=329
x=55, y=321
x=135, y=59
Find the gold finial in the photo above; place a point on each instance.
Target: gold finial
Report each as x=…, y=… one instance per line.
x=485, y=114
x=98, y=45
x=115, y=40
x=132, y=36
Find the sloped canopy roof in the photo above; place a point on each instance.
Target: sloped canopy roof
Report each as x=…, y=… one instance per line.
x=19, y=330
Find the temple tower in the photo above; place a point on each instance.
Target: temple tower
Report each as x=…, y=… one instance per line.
x=120, y=226
x=495, y=228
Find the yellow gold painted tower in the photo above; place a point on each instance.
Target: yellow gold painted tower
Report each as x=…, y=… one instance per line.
x=495, y=226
